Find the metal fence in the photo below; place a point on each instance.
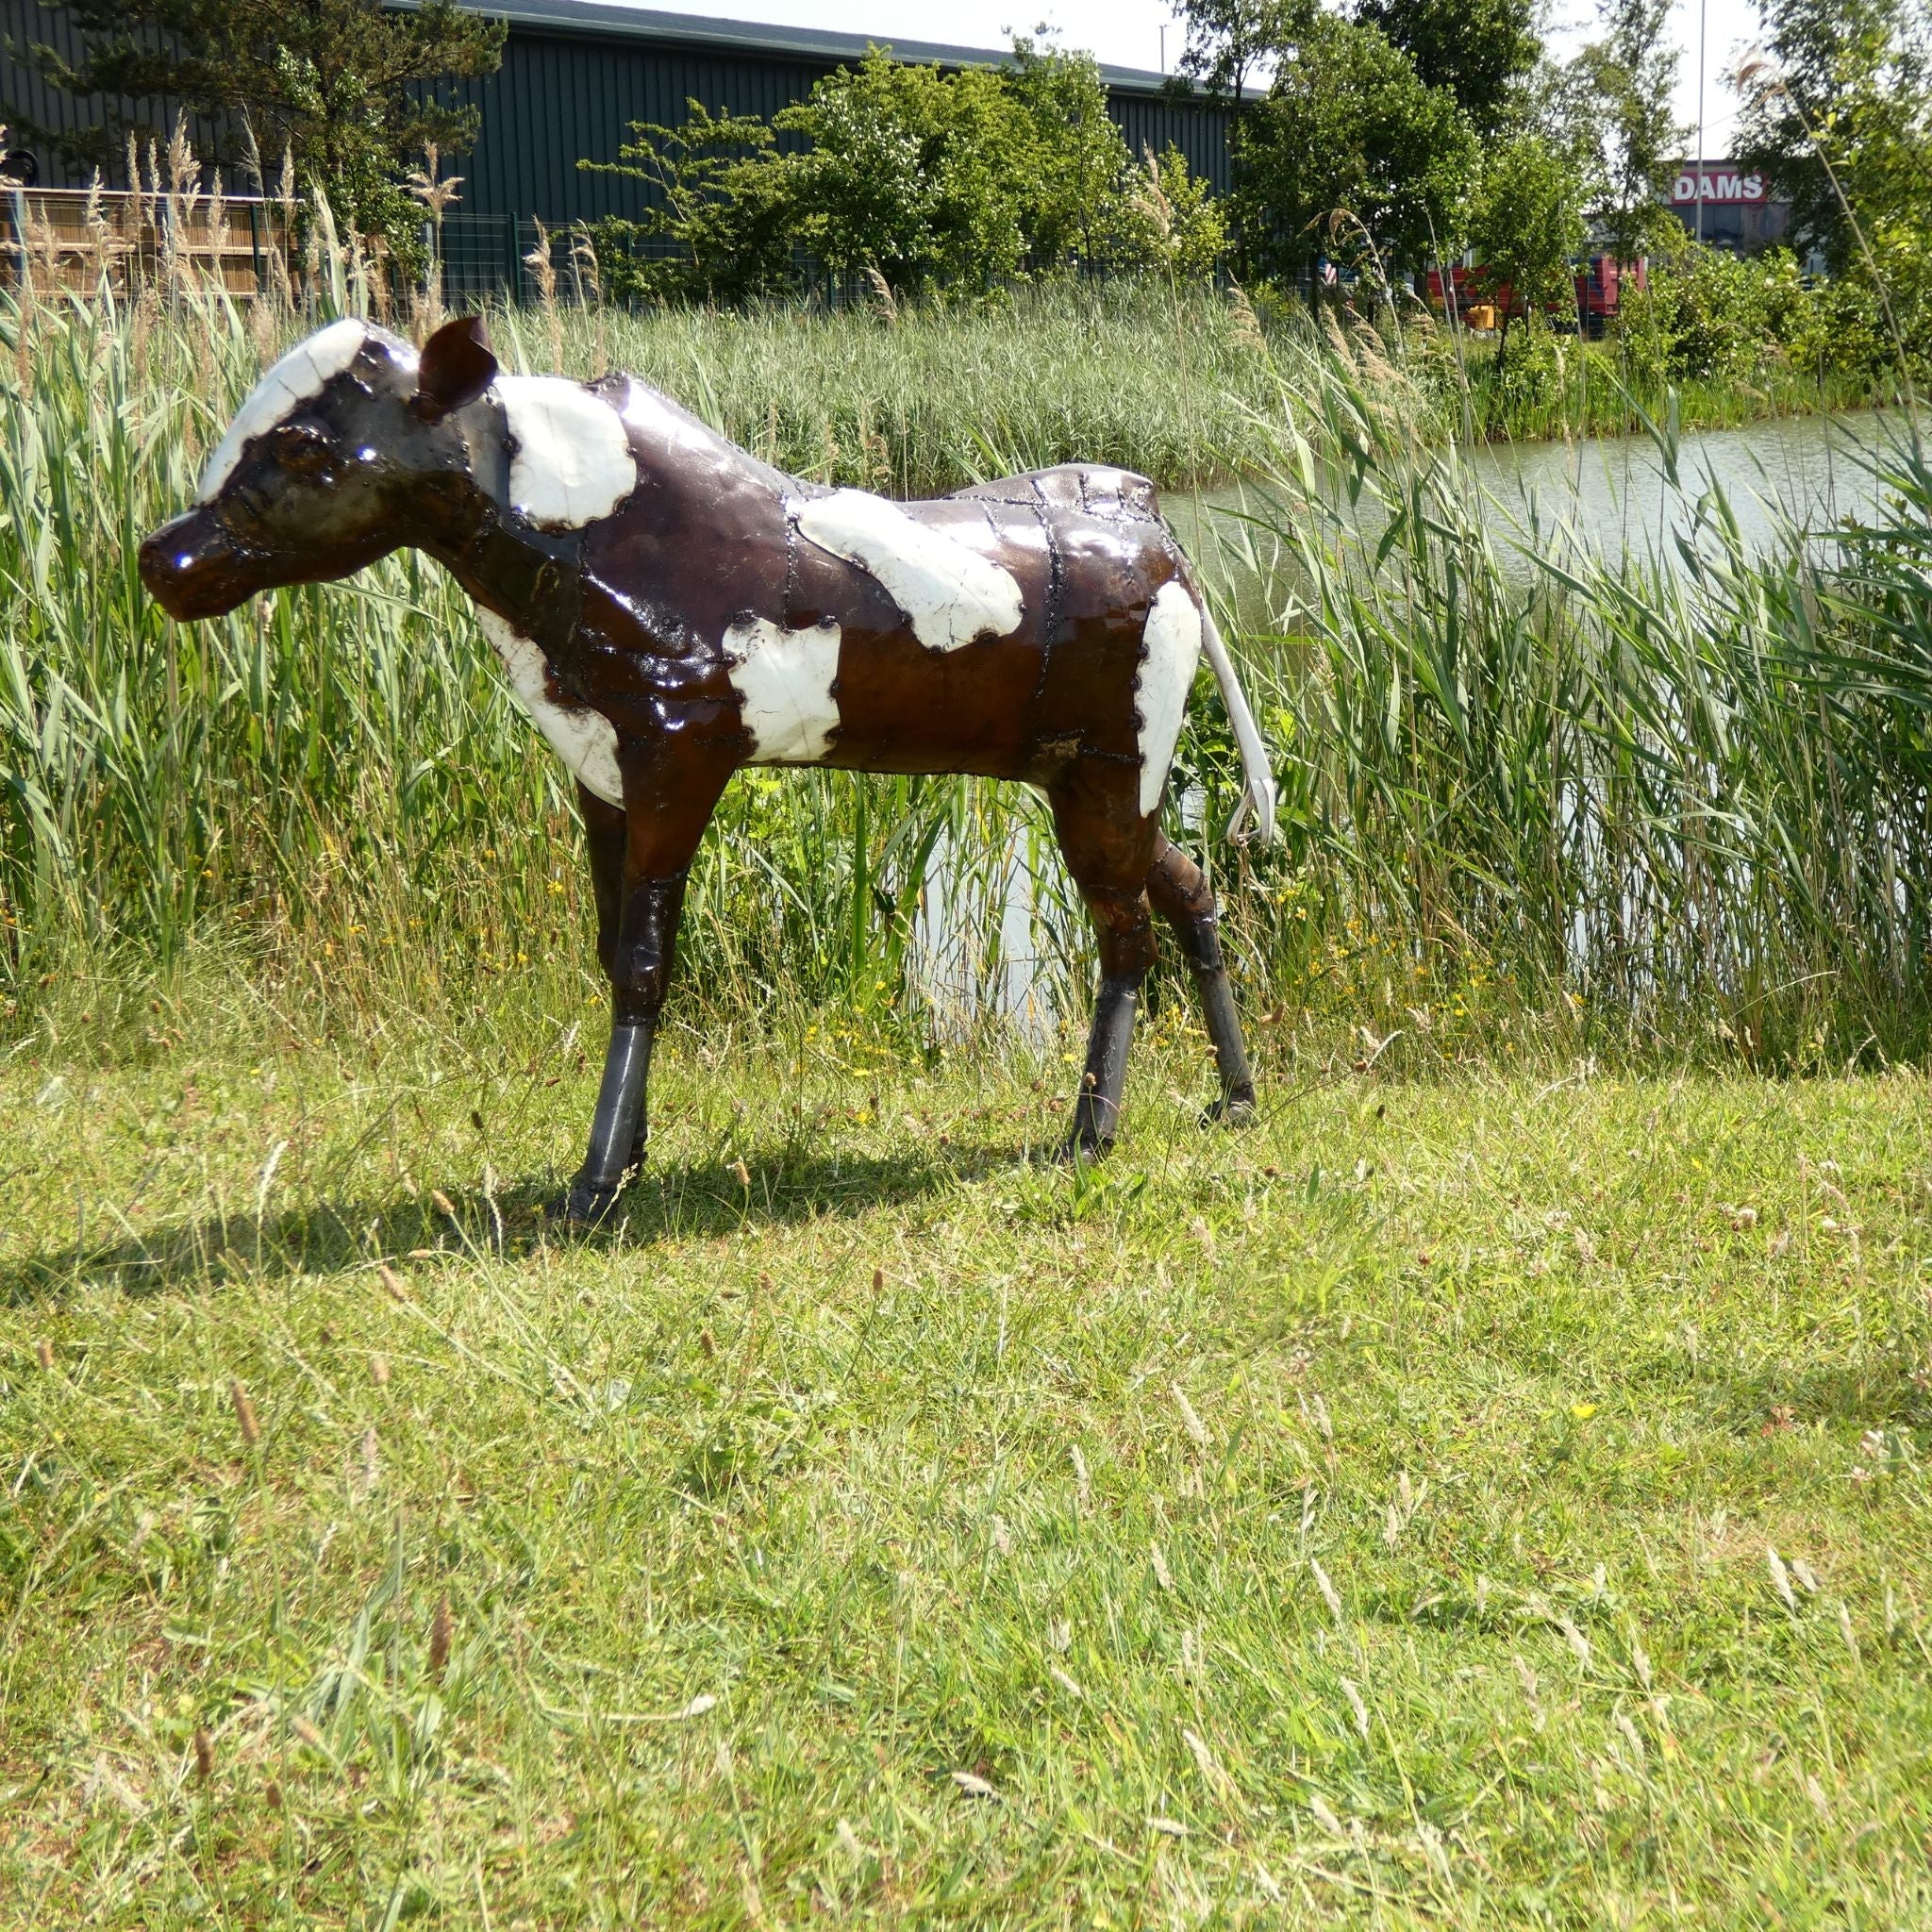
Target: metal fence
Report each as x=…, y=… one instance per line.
x=76, y=240
x=496, y=254
x=499, y=255
x=480, y=255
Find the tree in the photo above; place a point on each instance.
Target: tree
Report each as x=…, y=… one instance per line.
x=1349, y=126
x=718, y=194
x=1231, y=44
x=1620, y=88
x=1171, y=222
x=1073, y=192
x=347, y=86
x=1480, y=50
x=913, y=173
x=919, y=175
x=1088, y=200
x=1525, y=225
x=1838, y=116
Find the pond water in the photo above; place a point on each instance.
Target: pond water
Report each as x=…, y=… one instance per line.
x=1615, y=495
x=1813, y=471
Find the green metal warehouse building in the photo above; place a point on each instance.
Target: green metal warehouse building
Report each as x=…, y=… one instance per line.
x=576, y=72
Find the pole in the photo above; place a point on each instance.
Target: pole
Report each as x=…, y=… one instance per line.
x=1703, y=22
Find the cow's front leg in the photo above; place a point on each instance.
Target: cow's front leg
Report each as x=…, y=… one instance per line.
x=643, y=950
x=639, y=860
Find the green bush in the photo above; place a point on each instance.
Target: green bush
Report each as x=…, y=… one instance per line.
x=1898, y=260
x=1530, y=382
x=1714, y=317
x=1709, y=314
x=965, y=181
x=1842, y=330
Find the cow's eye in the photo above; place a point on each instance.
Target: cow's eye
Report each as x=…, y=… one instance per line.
x=303, y=450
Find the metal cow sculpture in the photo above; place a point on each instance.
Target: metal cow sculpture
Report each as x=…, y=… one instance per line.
x=670, y=608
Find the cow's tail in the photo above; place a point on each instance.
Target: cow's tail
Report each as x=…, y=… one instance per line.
x=1258, y=798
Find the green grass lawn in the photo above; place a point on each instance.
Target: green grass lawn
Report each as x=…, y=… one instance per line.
x=1368, y=1518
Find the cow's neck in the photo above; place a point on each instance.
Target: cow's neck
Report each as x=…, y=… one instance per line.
x=531, y=580
x=537, y=582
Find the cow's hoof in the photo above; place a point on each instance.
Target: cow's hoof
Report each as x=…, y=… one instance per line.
x=1236, y=1109
x=589, y=1204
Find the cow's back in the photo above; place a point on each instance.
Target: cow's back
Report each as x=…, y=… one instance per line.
x=722, y=581
x=1093, y=489
x=1089, y=549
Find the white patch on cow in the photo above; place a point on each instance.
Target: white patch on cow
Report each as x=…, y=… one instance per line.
x=785, y=679
x=947, y=593
x=299, y=377
x=572, y=462
x=585, y=739
x=1170, y=649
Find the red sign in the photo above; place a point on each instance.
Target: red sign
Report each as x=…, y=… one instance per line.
x=1715, y=183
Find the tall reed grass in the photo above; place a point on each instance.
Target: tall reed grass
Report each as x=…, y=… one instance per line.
x=1166, y=381
x=1678, y=800
x=1682, y=792
x=931, y=398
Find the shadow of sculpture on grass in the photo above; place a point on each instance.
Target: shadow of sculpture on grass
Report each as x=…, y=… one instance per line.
x=336, y=1235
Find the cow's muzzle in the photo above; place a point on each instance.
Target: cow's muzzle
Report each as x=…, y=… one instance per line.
x=192, y=568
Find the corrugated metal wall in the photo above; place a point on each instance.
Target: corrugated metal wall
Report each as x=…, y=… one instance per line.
x=1199, y=131
x=555, y=100
x=561, y=96
x=23, y=23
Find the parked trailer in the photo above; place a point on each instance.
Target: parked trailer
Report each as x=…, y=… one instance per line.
x=1601, y=282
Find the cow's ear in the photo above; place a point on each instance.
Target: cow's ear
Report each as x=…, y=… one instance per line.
x=456, y=367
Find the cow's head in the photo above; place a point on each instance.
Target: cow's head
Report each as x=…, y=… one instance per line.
x=344, y=451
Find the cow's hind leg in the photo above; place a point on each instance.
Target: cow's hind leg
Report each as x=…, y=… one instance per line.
x=1182, y=896
x=639, y=860
x=1108, y=844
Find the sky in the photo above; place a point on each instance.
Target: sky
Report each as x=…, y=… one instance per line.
x=1127, y=33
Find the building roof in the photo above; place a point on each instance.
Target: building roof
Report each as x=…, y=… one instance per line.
x=597, y=20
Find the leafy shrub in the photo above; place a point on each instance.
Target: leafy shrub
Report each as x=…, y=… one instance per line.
x=1898, y=260
x=1529, y=382
x=1718, y=317
x=963, y=181
x=1709, y=313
